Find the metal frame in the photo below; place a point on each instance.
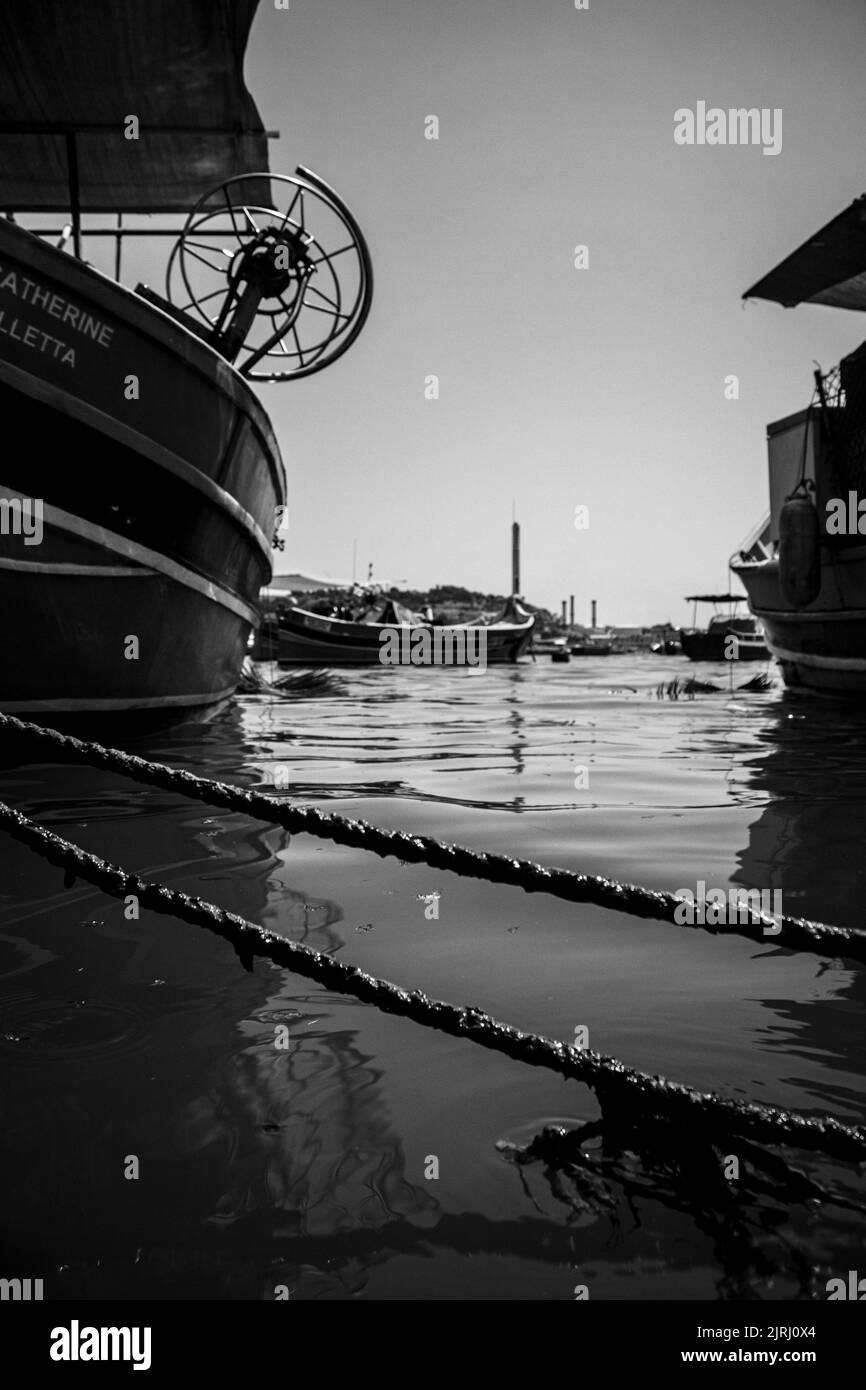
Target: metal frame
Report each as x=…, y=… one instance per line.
x=71, y=131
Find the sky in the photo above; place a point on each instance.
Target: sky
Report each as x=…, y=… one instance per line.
x=601, y=387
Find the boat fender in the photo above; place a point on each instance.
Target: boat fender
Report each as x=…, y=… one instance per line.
x=799, y=550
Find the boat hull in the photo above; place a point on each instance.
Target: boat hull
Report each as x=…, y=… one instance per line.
x=821, y=647
x=713, y=646
x=73, y=654
x=590, y=649
x=299, y=638
x=156, y=478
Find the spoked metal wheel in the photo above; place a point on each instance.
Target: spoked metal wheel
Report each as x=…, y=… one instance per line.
x=279, y=271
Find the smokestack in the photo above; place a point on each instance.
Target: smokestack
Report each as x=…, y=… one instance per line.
x=563, y=612
x=515, y=558
x=594, y=606
x=571, y=610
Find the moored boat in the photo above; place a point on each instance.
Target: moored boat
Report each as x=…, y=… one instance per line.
x=805, y=568
x=590, y=646
x=727, y=636
x=156, y=520
x=139, y=509
x=294, y=636
x=554, y=647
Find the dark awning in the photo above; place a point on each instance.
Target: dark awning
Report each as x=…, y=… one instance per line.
x=84, y=66
x=829, y=268
x=715, y=598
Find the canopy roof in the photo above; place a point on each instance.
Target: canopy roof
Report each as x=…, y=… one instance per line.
x=306, y=583
x=715, y=598
x=829, y=268
x=83, y=67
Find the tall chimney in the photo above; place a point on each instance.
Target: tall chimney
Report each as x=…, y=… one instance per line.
x=594, y=606
x=515, y=558
x=571, y=610
x=563, y=612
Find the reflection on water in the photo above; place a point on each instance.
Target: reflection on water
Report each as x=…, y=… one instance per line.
x=284, y=1134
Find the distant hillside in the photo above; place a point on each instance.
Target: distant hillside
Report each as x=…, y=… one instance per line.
x=445, y=596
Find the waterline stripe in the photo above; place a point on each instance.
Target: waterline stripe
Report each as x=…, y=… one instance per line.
x=821, y=663
x=121, y=545
x=88, y=571
x=98, y=706
x=97, y=419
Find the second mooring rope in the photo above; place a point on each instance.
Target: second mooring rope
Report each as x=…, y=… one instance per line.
x=615, y=1084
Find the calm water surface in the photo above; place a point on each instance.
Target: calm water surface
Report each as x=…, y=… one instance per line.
x=306, y=1168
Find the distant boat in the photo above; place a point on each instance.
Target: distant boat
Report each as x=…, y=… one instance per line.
x=296, y=637
x=553, y=647
x=667, y=647
x=590, y=646
x=805, y=567
x=727, y=637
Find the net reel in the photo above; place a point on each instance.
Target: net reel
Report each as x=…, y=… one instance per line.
x=278, y=270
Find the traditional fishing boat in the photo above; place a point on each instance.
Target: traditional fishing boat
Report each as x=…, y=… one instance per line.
x=144, y=494
x=296, y=637
x=804, y=567
x=727, y=636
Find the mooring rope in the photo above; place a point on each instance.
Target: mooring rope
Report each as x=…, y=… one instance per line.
x=614, y=1083
x=792, y=933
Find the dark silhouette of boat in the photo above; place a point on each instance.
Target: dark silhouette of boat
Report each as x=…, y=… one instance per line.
x=141, y=502
x=590, y=646
x=805, y=566
x=294, y=636
x=727, y=637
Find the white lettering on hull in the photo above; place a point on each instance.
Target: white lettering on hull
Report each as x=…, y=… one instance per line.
x=56, y=307
x=32, y=337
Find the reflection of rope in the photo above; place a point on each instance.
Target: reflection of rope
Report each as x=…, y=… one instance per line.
x=792, y=933
x=613, y=1082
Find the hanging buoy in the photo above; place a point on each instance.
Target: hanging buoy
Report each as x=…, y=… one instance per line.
x=799, y=550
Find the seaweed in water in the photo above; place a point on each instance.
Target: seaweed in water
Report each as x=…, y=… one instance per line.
x=309, y=683
x=298, y=684
x=762, y=681
x=607, y=1166
x=686, y=688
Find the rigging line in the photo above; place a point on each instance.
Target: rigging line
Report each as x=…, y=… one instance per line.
x=614, y=1083
x=778, y=930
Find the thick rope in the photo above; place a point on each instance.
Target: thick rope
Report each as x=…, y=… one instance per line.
x=614, y=1083
x=792, y=933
